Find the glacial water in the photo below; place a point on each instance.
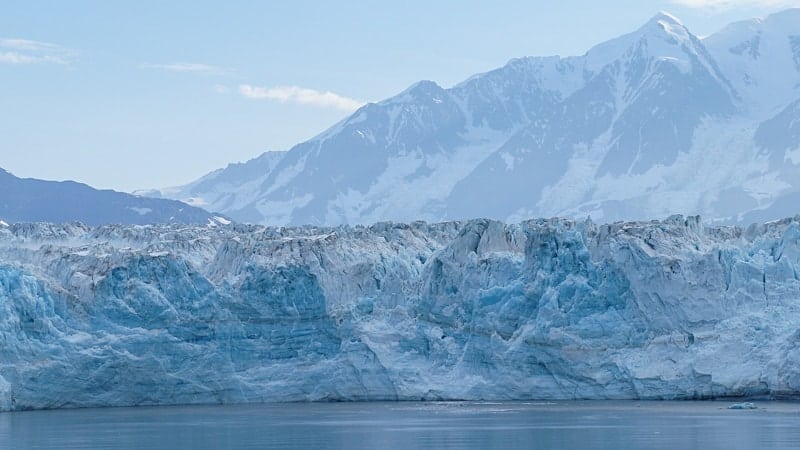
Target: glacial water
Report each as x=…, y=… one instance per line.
x=405, y=426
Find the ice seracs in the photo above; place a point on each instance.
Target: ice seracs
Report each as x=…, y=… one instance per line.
x=545, y=309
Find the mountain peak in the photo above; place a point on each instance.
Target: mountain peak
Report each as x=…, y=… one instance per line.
x=424, y=86
x=420, y=90
x=665, y=23
x=791, y=13
x=666, y=18
x=618, y=133
x=786, y=21
x=664, y=34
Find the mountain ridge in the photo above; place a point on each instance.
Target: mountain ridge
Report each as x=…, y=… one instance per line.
x=616, y=134
x=34, y=200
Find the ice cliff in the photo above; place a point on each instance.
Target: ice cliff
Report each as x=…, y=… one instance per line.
x=546, y=309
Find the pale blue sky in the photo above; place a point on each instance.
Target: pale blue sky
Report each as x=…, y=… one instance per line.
x=130, y=95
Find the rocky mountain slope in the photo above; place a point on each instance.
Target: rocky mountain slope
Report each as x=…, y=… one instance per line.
x=32, y=200
x=555, y=309
x=652, y=123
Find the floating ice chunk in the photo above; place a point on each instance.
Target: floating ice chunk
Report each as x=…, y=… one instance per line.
x=743, y=405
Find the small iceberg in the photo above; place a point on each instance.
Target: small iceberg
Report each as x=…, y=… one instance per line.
x=743, y=405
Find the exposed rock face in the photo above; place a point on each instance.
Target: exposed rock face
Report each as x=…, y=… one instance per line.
x=556, y=309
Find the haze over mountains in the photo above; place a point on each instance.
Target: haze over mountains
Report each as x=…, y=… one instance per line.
x=656, y=122
x=31, y=200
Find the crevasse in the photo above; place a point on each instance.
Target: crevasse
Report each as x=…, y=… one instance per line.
x=545, y=309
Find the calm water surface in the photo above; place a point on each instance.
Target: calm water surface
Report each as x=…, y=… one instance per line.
x=459, y=425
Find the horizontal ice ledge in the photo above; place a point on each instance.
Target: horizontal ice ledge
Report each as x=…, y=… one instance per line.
x=546, y=309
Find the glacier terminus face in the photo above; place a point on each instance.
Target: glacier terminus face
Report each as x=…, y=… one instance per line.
x=545, y=309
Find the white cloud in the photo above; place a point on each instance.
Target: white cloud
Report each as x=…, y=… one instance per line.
x=25, y=51
x=734, y=4
x=189, y=68
x=16, y=58
x=221, y=89
x=303, y=96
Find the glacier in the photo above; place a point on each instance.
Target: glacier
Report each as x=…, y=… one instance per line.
x=543, y=309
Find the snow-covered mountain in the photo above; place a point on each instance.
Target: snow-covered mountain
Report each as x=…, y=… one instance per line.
x=762, y=60
x=546, y=309
x=32, y=200
x=652, y=123
x=231, y=188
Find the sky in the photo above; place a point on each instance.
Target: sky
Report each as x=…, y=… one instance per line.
x=150, y=94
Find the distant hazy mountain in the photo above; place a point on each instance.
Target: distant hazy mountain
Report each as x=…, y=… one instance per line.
x=229, y=189
x=31, y=200
x=652, y=123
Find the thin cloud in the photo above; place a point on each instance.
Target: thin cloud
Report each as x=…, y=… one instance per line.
x=303, y=96
x=187, y=67
x=26, y=51
x=735, y=4
x=29, y=45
